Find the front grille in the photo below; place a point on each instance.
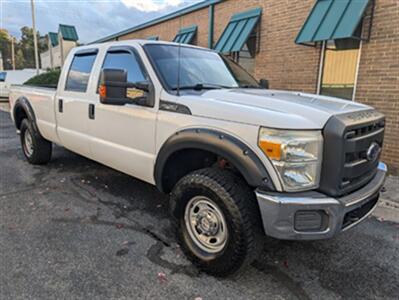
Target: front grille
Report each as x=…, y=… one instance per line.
x=347, y=138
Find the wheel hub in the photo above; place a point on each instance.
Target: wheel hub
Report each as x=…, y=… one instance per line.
x=206, y=224
x=28, y=143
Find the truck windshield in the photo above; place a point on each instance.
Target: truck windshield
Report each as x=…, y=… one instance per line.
x=199, y=68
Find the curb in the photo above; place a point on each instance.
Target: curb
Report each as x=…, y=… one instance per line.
x=387, y=210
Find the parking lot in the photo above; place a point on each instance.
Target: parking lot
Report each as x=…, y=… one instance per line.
x=77, y=229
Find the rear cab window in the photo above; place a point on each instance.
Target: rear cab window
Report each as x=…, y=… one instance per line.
x=79, y=72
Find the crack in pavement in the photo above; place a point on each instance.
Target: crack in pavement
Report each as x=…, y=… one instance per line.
x=123, y=210
x=154, y=253
x=29, y=189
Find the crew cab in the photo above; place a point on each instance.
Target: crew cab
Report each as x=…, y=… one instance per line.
x=239, y=160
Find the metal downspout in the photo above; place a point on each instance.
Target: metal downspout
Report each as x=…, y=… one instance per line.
x=211, y=25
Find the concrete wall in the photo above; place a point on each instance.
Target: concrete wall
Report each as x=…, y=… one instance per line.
x=56, y=52
x=45, y=60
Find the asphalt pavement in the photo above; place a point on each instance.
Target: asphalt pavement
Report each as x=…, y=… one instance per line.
x=74, y=229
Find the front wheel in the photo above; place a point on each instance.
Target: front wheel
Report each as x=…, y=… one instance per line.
x=36, y=149
x=218, y=220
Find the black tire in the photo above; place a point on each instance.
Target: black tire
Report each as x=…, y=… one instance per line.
x=40, y=152
x=237, y=202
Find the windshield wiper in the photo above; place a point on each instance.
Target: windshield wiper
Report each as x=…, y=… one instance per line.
x=249, y=86
x=201, y=86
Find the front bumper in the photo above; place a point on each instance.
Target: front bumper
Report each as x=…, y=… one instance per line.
x=313, y=215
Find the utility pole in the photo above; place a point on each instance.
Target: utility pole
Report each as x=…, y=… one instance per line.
x=35, y=37
x=13, y=53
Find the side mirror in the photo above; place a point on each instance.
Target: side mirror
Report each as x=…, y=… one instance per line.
x=114, y=86
x=141, y=85
x=264, y=83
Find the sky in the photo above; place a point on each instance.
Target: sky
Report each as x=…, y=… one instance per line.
x=93, y=19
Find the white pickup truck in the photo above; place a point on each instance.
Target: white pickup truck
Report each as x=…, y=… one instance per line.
x=239, y=160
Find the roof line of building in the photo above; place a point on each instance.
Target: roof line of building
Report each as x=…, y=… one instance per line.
x=161, y=19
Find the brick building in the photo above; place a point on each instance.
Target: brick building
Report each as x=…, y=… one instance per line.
x=345, y=48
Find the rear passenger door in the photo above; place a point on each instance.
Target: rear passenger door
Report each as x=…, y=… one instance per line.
x=72, y=102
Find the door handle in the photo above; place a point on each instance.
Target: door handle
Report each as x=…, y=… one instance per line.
x=60, y=105
x=91, y=111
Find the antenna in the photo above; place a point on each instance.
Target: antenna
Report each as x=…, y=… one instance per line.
x=178, y=62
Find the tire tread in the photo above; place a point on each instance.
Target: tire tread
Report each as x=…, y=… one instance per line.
x=243, y=207
x=42, y=147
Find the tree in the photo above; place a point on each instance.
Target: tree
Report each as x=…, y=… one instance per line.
x=19, y=60
x=5, y=48
x=24, y=48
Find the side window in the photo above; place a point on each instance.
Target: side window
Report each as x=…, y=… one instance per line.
x=125, y=61
x=79, y=73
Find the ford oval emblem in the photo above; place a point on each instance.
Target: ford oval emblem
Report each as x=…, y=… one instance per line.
x=373, y=152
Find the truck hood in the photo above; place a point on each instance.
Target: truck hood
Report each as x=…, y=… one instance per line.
x=270, y=108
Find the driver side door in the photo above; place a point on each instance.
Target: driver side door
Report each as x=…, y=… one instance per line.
x=123, y=137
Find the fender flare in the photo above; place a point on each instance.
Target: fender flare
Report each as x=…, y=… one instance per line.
x=222, y=144
x=23, y=103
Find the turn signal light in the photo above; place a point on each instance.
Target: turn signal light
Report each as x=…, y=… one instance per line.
x=102, y=91
x=272, y=150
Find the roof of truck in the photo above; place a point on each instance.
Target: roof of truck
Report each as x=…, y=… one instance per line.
x=135, y=42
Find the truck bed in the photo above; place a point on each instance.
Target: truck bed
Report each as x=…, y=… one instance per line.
x=42, y=100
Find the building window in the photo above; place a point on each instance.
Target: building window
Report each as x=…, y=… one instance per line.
x=240, y=38
x=246, y=57
x=340, y=65
x=187, y=35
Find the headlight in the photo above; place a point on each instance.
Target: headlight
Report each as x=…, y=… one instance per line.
x=296, y=155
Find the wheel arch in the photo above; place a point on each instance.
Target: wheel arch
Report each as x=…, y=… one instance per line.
x=23, y=109
x=208, y=142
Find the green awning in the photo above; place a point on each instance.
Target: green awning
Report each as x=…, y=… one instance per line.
x=238, y=31
x=53, y=36
x=153, y=38
x=186, y=35
x=68, y=32
x=331, y=20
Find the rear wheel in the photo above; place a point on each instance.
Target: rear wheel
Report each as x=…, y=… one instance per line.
x=218, y=220
x=36, y=149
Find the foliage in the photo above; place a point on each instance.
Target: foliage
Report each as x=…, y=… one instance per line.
x=5, y=48
x=19, y=60
x=24, y=49
x=49, y=79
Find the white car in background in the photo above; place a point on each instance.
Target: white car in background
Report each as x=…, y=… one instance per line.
x=9, y=77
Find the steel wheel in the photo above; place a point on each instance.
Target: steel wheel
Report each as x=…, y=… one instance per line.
x=206, y=224
x=28, y=143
